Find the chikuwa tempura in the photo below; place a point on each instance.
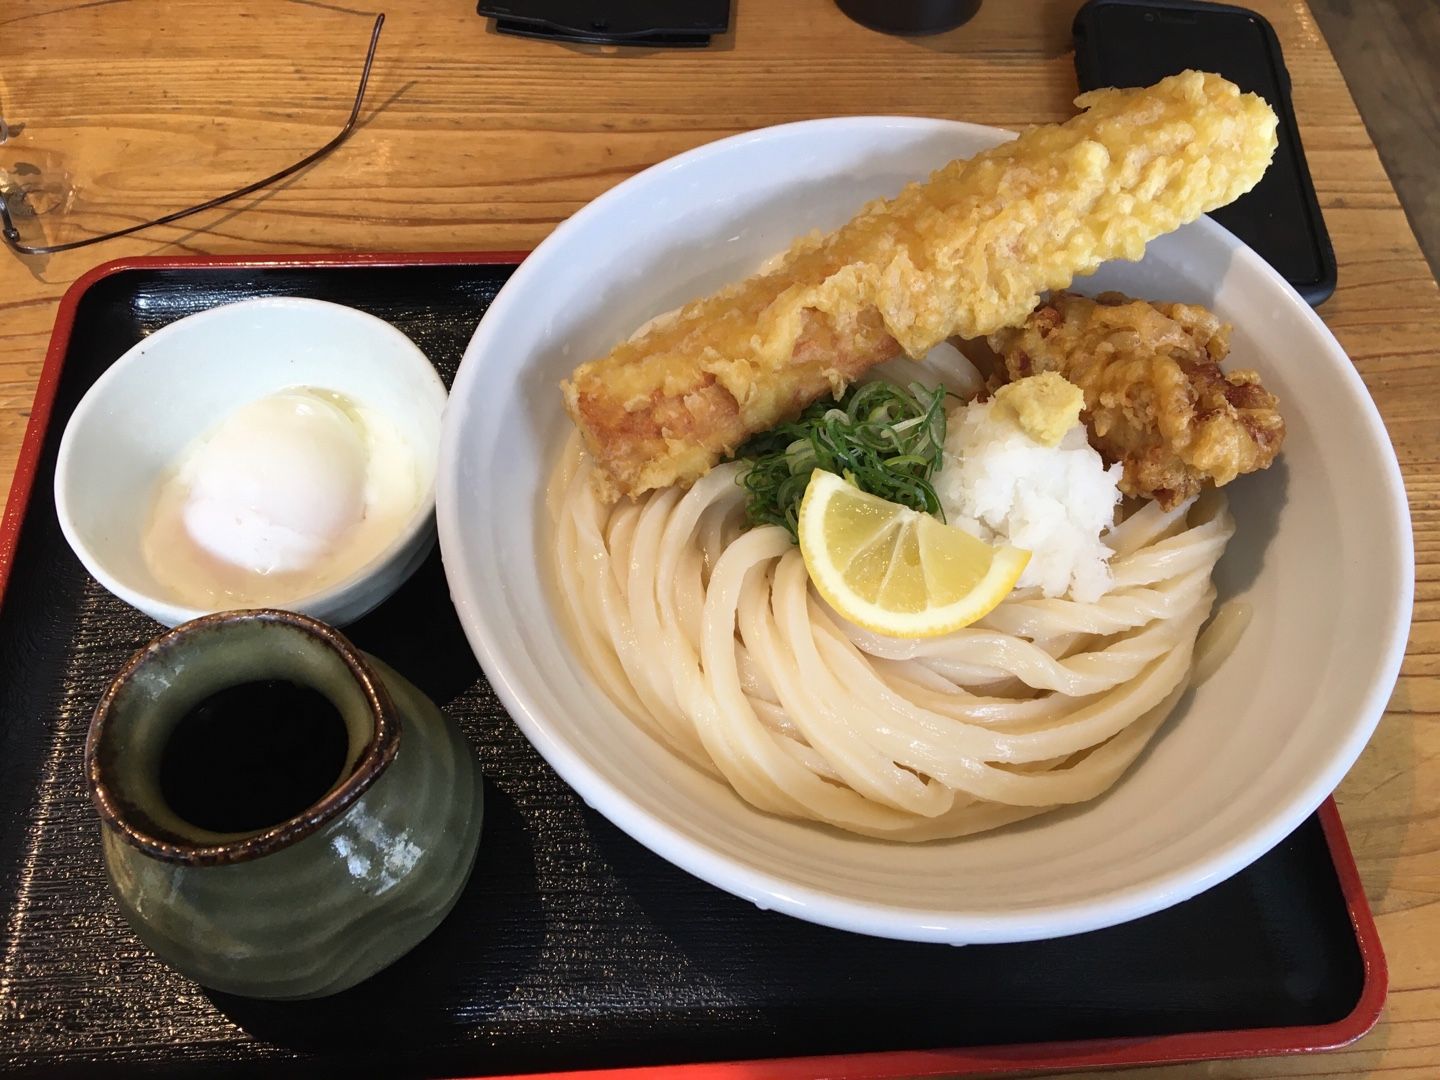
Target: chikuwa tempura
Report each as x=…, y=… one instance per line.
x=933, y=599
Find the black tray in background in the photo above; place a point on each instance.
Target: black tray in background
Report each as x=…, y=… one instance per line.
x=573, y=946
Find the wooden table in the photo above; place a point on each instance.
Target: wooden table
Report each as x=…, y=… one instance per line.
x=132, y=108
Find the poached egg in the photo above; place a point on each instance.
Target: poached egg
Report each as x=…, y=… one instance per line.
x=285, y=496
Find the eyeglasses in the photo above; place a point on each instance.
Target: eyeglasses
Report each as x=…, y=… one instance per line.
x=11, y=234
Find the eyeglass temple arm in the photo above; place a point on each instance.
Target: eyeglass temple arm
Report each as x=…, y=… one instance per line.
x=11, y=235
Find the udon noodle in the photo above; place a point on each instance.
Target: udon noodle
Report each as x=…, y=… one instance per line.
x=709, y=637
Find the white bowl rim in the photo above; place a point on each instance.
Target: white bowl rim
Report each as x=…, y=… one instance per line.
x=825, y=908
x=174, y=614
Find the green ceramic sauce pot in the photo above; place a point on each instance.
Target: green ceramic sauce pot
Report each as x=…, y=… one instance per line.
x=313, y=904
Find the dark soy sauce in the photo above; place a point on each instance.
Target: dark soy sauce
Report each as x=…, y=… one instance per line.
x=252, y=756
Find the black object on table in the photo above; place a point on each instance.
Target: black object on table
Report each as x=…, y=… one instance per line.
x=572, y=946
x=910, y=17
x=650, y=23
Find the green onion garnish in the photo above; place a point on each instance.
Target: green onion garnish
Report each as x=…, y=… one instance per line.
x=885, y=439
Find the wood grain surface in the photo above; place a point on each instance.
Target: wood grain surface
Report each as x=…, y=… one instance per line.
x=1387, y=51
x=121, y=110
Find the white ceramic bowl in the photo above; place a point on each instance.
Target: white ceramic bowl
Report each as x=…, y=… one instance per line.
x=1323, y=553
x=179, y=382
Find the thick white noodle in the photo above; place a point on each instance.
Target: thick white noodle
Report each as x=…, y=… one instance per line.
x=711, y=639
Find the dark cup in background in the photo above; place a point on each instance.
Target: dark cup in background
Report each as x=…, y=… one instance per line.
x=910, y=16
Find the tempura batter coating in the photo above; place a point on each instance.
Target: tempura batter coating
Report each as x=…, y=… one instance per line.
x=1156, y=400
x=965, y=253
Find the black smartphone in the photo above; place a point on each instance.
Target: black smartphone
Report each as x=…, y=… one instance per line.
x=1139, y=42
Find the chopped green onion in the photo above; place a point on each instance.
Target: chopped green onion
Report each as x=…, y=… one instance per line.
x=885, y=439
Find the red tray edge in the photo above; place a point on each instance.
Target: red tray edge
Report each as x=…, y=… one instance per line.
x=1078, y=1054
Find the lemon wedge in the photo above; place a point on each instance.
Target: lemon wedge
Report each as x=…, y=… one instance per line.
x=898, y=571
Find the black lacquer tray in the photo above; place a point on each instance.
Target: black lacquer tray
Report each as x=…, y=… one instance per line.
x=573, y=947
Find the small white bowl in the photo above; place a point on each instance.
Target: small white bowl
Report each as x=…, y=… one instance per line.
x=1322, y=553
x=166, y=391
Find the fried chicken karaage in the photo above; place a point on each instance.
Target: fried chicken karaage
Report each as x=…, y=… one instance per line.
x=1156, y=400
